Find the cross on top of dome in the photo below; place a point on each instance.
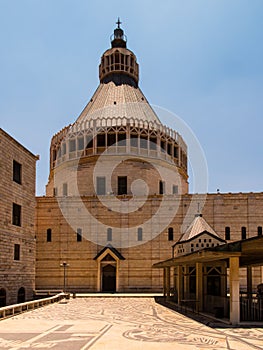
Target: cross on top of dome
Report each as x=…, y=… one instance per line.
x=118, y=22
x=118, y=39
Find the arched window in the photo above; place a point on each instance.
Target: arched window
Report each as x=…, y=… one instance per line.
x=109, y=234
x=170, y=234
x=259, y=230
x=243, y=232
x=139, y=234
x=21, y=295
x=227, y=233
x=49, y=235
x=2, y=297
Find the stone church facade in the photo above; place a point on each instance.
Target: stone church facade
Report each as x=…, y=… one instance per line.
x=117, y=194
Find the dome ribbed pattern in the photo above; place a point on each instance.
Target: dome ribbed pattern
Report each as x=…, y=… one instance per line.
x=115, y=101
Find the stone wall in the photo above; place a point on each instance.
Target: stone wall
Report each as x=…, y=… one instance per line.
x=135, y=273
x=17, y=273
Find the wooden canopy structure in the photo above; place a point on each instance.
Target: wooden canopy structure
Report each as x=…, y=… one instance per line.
x=245, y=253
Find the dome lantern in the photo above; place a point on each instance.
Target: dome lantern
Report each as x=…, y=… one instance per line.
x=118, y=39
x=118, y=64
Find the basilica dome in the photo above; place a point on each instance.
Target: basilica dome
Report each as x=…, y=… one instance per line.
x=118, y=122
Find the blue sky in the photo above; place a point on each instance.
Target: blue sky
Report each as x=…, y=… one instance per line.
x=200, y=59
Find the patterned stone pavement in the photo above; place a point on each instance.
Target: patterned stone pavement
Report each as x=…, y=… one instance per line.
x=118, y=323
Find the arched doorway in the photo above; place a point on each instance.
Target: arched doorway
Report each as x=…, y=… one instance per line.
x=2, y=297
x=21, y=295
x=109, y=278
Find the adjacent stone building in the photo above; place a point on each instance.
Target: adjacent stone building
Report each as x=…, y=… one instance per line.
x=17, y=221
x=117, y=195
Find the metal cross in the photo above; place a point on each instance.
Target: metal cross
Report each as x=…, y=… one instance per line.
x=118, y=22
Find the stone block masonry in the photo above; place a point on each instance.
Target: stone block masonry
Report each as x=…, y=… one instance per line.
x=17, y=221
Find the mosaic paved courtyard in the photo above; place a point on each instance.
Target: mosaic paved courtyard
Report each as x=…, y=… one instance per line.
x=118, y=323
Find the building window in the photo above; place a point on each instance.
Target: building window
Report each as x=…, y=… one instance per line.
x=101, y=185
x=111, y=139
x=17, y=252
x=109, y=234
x=55, y=191
x=17, y=172
x=49, y=235
x=16, y=214
x=64, y=149
x=170, y=234
x=227, y=233
x=163, y=148
x=101, y=140
x=80, y=142
x=176, y=152
x=169, y=149
x=134, y=140
x=161, y=187
x=143, y=141
x=259, y=230
x=122, y=185
x=243, y=232
x=139, y=234
x=54, y=154
x=65, y=189
x=153, y=143
x=175, y=189
x=79, y=234
x=72, y=145
x=89, y=142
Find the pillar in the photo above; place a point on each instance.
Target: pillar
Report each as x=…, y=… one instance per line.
x=249, y=290
x=186, y=282
x=199, y=286
x=164, y=282
x=167, y=282
x=175, y=283
x=179, y=283
x=234, y=290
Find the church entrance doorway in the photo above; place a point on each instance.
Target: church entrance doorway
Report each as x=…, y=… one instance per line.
x=109, y=278
x=108, y=260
